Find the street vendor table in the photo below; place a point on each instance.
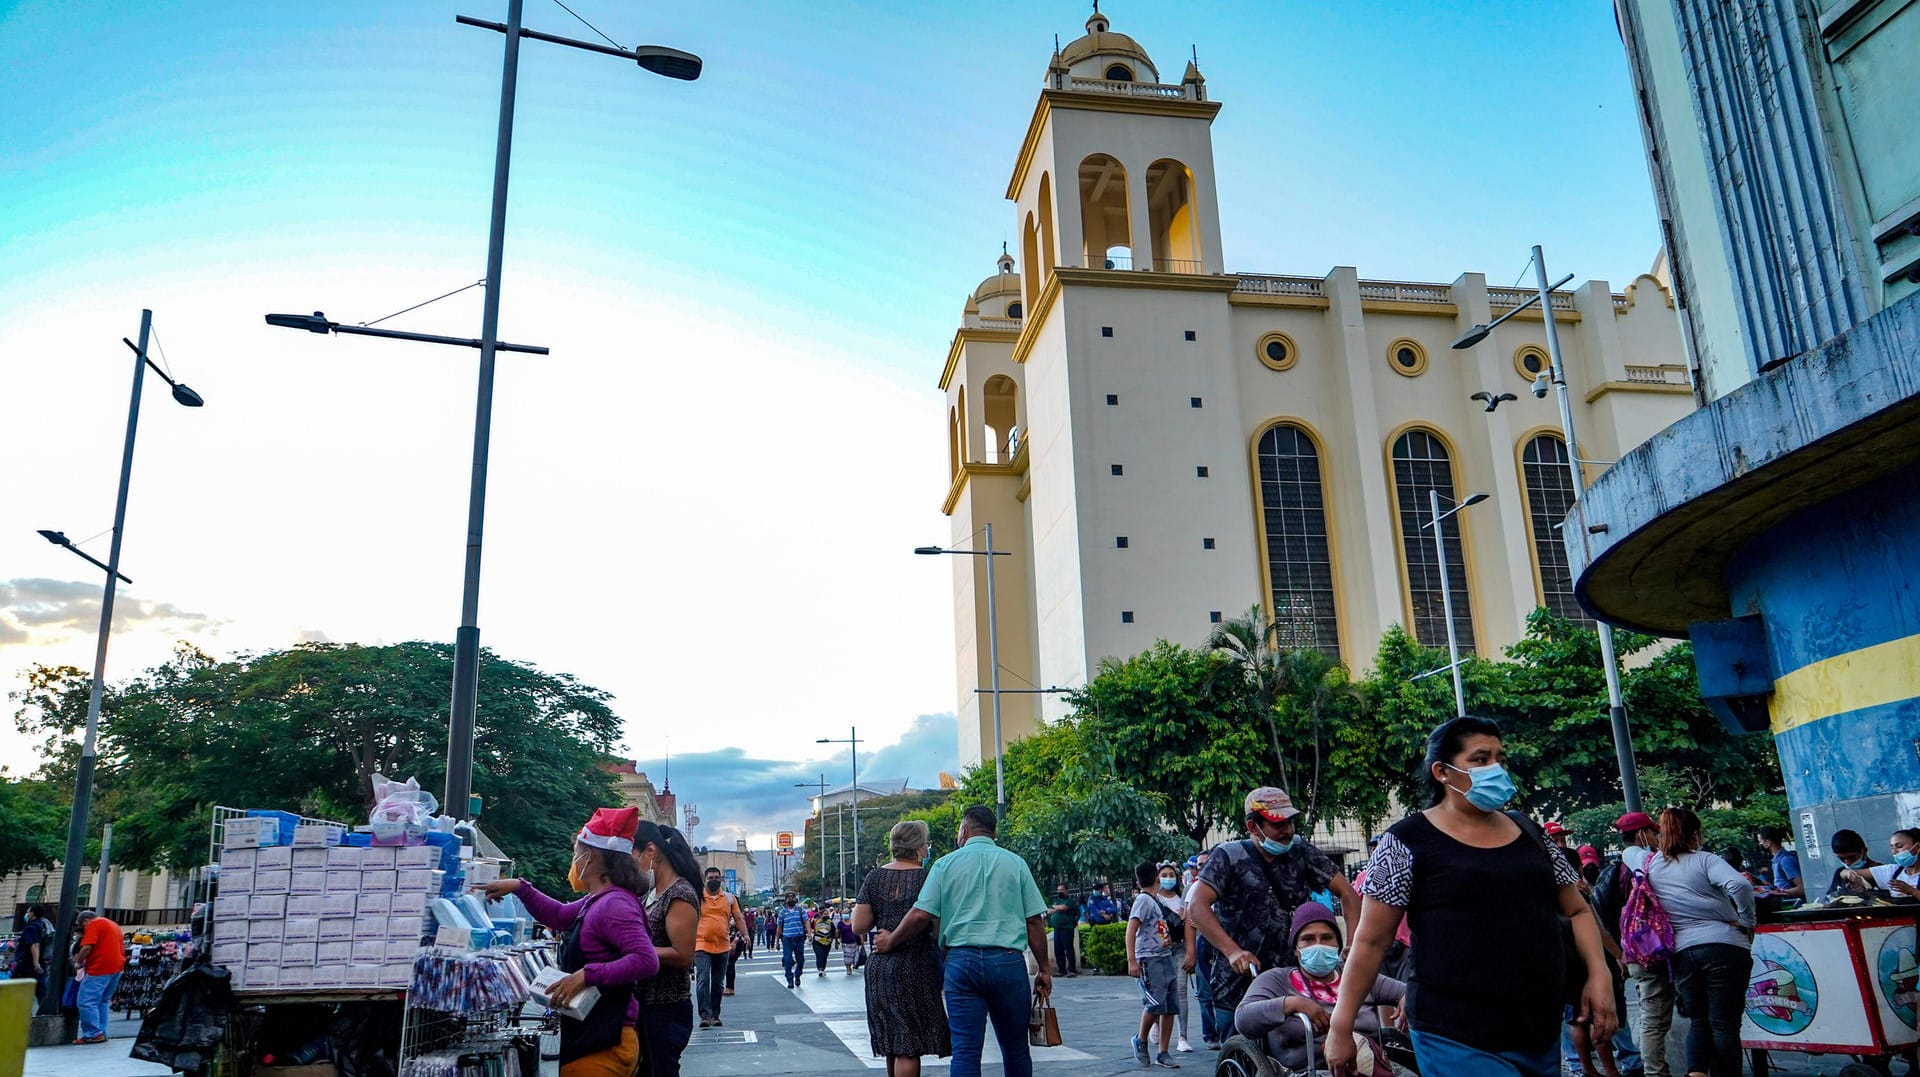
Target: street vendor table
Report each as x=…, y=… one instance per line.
x=1836, y=980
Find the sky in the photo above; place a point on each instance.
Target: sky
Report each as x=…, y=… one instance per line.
x=704, y=499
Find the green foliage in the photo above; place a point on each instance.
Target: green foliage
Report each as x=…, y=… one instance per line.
x=877, y=817
x=304, y=729
x=33, y=824
x=1104, y=946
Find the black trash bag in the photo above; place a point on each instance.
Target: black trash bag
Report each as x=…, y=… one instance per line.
x=185, y=1027
x=365, y=1039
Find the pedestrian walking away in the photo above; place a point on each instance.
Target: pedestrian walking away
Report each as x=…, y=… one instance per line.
x=826, y=934
x=720, y=917
x=791, y=923
x=1651, y=983
x=1270, y=1012
x=1711, y=908
x=1485, y=898
x=1158, y=946
x=667, y=871
x=983, y=902
x=906, y=1017
x=604, y=944
x=851, y=949
x=29, y=952
x=1063, y=918
x=97, y=964
x=1248, y=890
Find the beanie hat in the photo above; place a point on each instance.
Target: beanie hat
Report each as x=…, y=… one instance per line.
x=1311, y=912
x=611, y=829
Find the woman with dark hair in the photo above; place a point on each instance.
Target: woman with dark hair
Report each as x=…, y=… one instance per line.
x=668, y=869
x=1901, y=877
x=1485, y=896
x=604, y=944
x=1711, y=908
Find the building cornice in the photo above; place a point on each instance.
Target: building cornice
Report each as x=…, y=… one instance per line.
x=1140, y=278
x=1096, y=102
x=964, y=337
x=1606, y=387
x=1037, y=317
x=1298, y=302
x=966, y=472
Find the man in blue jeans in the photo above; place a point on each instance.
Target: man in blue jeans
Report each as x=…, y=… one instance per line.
x=792, y=926
x=983, y=901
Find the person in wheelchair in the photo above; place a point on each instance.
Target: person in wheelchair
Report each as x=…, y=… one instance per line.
x=1270, y=1013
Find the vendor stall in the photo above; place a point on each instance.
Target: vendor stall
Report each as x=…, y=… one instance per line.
x=1838, y=979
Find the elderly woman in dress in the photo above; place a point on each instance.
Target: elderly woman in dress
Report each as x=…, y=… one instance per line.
x=906, y=1015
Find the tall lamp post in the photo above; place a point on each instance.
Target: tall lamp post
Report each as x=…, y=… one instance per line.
x=56, y=948
x=1446, y=588
x=1556, y=376
x=820, y=831
x=669, y=63
x=993, y=658
x=852, y=741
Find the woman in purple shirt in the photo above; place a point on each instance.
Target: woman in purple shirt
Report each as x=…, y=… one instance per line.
x=604, y=944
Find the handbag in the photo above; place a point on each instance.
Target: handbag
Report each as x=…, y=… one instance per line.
x=1043, y=1022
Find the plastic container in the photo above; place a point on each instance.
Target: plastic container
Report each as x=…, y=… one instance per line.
x=286, y=821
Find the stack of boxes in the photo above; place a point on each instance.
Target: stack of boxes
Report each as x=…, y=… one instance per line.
x=317, y=914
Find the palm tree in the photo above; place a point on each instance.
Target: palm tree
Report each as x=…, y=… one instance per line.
x=1249, y=640
x=1307, y=683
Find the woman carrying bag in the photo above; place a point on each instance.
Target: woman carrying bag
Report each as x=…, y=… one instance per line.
x=603, y=944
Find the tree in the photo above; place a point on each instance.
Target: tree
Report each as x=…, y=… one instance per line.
x=1250, y=642
x=33, y=825
x=304, y=730
x=877, y=818
x=1175, y=724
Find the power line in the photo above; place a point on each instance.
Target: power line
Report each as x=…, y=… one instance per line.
x=435, y=299
x=588, y=25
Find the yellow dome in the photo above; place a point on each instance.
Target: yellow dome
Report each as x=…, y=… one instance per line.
x=999, y=284
x=1104, y=43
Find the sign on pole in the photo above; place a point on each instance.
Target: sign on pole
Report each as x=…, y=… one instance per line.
x=783, y=842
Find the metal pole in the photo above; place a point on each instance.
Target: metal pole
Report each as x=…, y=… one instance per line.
x=840, y=843
x=83, y=780
x=1616, y=705
x=1446, y=602
x=466, y=645
x=853, y=745
x=993, y=656
x=100, y=878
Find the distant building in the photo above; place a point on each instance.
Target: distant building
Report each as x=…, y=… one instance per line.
x=869, y=790
x=739, y=860
x=145, y=898
x=1160, y=443
x=637, y=791
x=1779, y=526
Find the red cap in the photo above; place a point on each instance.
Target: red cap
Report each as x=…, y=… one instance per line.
x=1589, y=855
x=611, y=829
x=1554, y=829
x=1632, y=821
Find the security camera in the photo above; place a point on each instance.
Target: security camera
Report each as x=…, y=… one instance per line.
x=1541, y=383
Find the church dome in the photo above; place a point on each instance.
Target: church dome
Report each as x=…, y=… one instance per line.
x=997, y=291
x=1104, y=54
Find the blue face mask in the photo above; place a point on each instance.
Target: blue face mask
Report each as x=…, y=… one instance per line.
x=1319, y=960
x=1855, y=865
x=1492, y=787
x=1275, y=848
x=1169, y=884
x=1905, y=859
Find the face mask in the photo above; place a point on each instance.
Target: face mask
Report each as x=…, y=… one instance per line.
x=1169, y=884
x=1856, y=865
x=1492, y=788
x=713, y=886
x=1319, y=960
x=1275, y=848
x=573, y=877
x=1905, y=859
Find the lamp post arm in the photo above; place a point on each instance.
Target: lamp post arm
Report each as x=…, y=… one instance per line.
x=431, y=338
x=96, y=562
x=1531, y=301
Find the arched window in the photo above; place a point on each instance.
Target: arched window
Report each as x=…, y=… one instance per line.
x=1030, y=258
x=1421, y=464
x=1293, y=519
x=1119, y=73
x=1176, y=241
x=36, y=894
x=953, y=443
x=85, y=897
x=999, y=404
x=1040, y=271
x=1104, y=219
x=1549, y=489
x=1014, y=310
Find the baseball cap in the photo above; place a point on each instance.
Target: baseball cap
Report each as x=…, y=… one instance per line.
x=1271, y=804
x=1589, y=855
x=1554, y=829
x=1632, y=821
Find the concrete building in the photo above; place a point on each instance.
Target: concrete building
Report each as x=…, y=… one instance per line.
x=1779, y=526
x=637, y=791
x=870, y=789
x=146, y=898
x=1161, y=443
x=739, y=860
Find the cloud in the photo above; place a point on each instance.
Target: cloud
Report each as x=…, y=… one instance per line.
x=53, y=608
x=928, y=747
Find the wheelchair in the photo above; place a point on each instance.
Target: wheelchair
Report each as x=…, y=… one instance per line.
x=1241, y=1056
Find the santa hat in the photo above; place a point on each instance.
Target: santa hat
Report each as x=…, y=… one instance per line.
x=611, y=829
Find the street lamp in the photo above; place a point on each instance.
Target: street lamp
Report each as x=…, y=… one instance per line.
x=852, y=740
x=660, y=60
x=1446, y=588
x=83, y=780
x=1557, y=377
x=993, y=657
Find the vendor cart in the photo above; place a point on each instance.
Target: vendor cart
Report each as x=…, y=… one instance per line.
x=1835, y=980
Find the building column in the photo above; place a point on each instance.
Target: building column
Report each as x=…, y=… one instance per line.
x=1498, y=529
x=1366, y=526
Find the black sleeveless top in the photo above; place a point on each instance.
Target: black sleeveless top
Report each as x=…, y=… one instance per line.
x=1487, y=962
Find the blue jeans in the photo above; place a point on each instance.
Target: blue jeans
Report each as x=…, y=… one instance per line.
x=709, y=979
x=1711, y=980
x=1626, y=1056
x=793, y=957
x=95, y=995
x=985, y=984
x=1444, y=1058
x=1203, y=996
x=665, y=1030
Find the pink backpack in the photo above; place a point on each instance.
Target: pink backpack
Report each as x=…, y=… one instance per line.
x=1646, y=935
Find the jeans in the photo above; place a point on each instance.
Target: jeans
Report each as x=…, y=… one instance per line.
x=1711, y=981
x=709, y=979
x=95, y=995
x=1203, y=997
x=984, y=984
x=665, y=1030
x=1063, y=959
x=793, y=957
x=1655, y=988
x=733, y=964
x=1444, y=1057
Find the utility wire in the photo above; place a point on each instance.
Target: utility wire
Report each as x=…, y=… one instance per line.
x=589, y=25
x=1523, y=271
x=162, y=348
x=435, y=299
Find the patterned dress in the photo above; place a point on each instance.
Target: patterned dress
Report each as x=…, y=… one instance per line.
x=905, y=1012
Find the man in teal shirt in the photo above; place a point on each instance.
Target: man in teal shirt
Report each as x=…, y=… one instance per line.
x=986, y=908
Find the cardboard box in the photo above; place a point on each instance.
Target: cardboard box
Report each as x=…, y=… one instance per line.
x=345, y=856
x=396, y=974
x=302, y=929
x=277, y=858
x=577, y=1007
x=406, y=927
x=329, y=976
x=266, y=930
x=482, y=872
x=294, y=976
x=334, y=927
x=369, y=951
x=333, y=953
x=230, y=930
x=408, y=903
x=362, y=976
x=339, y=904
x=307, y=881
x=271, y=880
x=230, y=906
x=232, y=859
x=305, y=906
x=298, y=953
x=318, y=834
x=370, y=927
x=309, y=859
x=267, y=907
x=377, y=858
x=263, y=953
x=230, y=954
x=420, y=879
x=236, y=880
x=248, y=833
x=259, y=978
x=343, y=880
x=379, y=904
x=416, y=856
x=375, y=880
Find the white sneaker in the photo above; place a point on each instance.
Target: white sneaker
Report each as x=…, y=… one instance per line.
x=1184, y=1046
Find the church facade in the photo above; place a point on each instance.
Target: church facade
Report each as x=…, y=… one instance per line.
x=1160, y=444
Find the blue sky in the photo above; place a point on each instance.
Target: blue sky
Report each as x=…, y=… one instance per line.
x=748, y=283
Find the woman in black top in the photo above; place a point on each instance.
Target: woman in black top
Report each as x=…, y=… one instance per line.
x=1484, y=899
x=906, y=1017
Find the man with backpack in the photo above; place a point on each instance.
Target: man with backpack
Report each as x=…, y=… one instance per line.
x=1653, y=982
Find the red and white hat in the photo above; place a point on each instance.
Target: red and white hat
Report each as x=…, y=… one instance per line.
x=611, y=829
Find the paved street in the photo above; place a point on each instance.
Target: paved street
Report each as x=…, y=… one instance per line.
x=822, y=1029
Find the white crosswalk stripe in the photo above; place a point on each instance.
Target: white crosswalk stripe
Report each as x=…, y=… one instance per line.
x=838, y=994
